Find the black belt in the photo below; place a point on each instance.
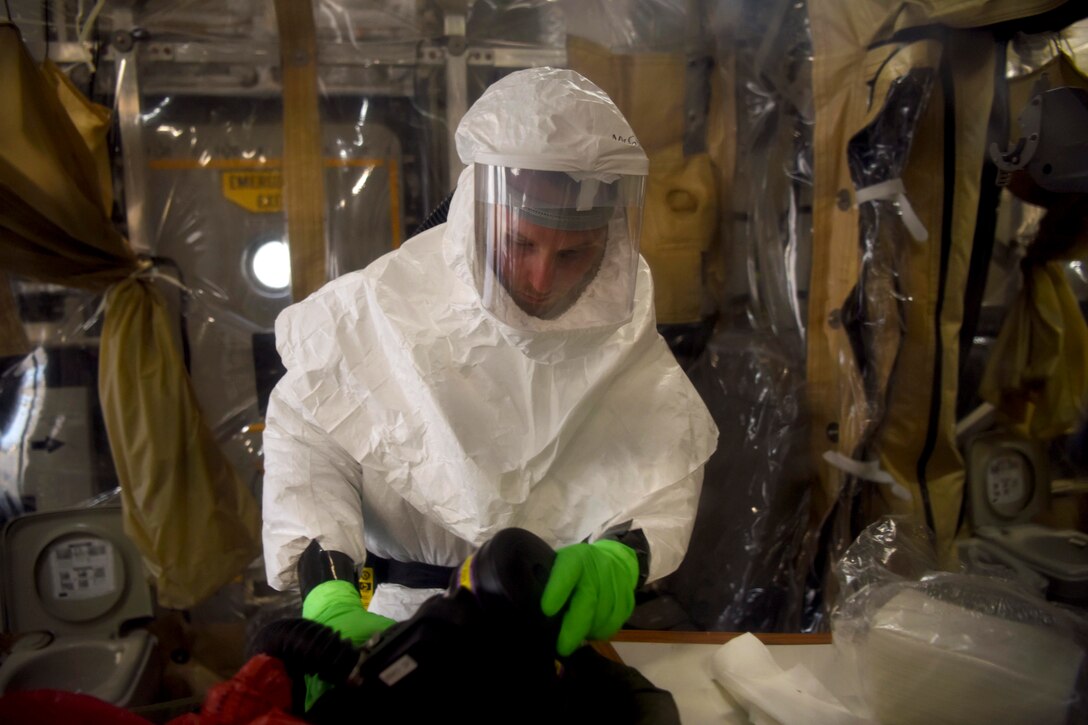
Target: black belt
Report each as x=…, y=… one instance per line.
x=409, y=574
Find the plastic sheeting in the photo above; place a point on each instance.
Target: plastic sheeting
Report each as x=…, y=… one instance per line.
x=56, y=229
x=202, y=132
x=1029, y=52
x=742, y=569
x=199, y=134
x=654, y=90
x=773, y=202
x=872, y=315
x=875, y=312
x=196, y=92
x=740, y=573
x=933, y=646
x=909, y=448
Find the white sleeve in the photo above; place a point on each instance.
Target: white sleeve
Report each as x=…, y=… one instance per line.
x=312, y=490
x=666, y=518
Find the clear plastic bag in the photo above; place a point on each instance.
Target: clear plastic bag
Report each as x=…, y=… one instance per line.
x=953, y=647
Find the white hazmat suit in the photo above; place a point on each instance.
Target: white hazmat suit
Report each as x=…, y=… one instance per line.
x=414, y=421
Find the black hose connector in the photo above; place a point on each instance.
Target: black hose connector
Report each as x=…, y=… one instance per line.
x=437, y=216
x=307, y=648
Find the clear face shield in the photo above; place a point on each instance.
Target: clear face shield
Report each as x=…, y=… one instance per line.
x=551, y=242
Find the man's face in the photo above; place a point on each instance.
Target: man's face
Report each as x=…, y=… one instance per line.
x=545, y=270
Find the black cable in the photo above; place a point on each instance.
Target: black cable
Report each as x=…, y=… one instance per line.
x=6, y=5
x=183, y=308
x=436, y=217
x=45, y=29
x=96, y=58
x=947, y=213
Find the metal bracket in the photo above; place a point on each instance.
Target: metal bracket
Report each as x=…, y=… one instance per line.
x=1019, y=155
x=516, y=57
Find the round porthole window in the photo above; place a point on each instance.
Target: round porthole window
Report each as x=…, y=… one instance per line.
x=268, y=267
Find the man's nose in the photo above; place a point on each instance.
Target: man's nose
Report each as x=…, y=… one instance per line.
x=541, y=273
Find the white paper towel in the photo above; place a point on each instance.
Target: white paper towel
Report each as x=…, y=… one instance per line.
x=745, y=668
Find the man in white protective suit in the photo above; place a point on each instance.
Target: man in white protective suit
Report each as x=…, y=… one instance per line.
x=500, y=370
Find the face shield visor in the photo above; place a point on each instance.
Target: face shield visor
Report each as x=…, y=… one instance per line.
x=553, y=244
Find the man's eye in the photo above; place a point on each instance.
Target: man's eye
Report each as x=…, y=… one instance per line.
x=570, y=255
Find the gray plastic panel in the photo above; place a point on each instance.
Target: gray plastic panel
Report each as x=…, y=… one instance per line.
x=71, y=572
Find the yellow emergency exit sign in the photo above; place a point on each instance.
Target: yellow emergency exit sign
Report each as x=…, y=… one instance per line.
x=256, y=191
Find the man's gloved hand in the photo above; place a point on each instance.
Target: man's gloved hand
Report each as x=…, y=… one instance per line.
x=599, y=581
x=330, y=595
x=336, y=604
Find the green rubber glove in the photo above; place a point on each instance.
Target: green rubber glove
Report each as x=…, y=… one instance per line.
x=599, y=581
x=336, y=604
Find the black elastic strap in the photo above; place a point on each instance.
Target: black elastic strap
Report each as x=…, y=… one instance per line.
x=409, y=574
x=947, y=214
x=316, y=566
x=989, y=197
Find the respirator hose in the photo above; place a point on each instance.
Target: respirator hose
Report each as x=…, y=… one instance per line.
x=307, y=647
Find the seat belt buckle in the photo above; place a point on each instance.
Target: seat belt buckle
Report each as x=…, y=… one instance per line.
x=366, y=585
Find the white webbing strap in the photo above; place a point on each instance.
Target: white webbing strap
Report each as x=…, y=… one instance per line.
x=893, y=190
x=868, y=471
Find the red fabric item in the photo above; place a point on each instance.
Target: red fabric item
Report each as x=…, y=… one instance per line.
x=260, y=694
x=36, y=707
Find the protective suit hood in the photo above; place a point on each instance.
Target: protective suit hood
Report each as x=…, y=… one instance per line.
x=582, y=130
x=540, y=122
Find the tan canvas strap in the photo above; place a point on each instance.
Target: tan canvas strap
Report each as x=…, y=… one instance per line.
x=303, y=179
